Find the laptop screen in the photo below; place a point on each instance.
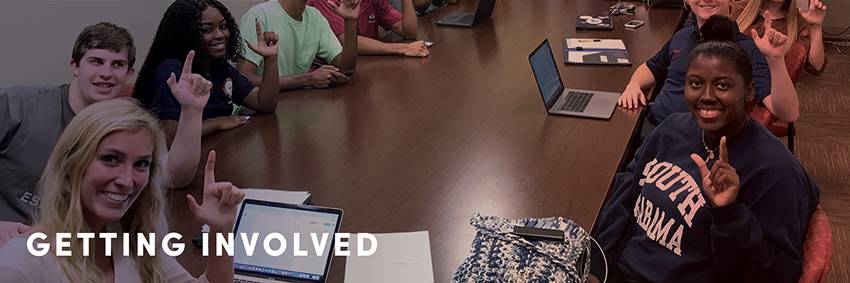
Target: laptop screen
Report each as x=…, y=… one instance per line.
x=257, y=217
x=546, y=73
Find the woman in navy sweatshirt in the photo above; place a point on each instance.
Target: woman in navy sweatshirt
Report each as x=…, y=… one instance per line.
x=711, y=196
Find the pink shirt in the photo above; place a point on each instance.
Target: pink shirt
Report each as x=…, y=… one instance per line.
x=373, y=13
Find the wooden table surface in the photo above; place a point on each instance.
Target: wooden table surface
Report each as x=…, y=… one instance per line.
x=416, y=144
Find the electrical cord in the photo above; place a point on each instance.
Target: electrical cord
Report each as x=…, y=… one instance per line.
x=604, y=259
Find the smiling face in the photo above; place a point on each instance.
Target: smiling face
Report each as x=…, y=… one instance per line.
x=214, y=32
x=101, y=74
x=704, y=9
x=117, y=175
x=717, y=95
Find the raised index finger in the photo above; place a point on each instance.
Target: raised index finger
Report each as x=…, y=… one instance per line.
x=259, y=29
x=724, y=155
x=209, y=169
x=187, y=65
x=768, y=21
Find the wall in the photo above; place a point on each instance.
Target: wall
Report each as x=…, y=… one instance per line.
x=838, y=14
x=38, y=35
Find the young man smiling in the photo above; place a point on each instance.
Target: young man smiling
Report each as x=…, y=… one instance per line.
x=33, y=118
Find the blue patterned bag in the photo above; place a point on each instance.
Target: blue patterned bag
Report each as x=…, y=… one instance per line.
x=500, y=256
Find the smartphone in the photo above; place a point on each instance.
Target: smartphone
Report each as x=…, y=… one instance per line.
x=633, y=24
x=538, y=234
x=802, y=5
x=429, y=43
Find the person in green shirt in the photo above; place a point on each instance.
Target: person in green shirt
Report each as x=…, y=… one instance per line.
x=304, y=36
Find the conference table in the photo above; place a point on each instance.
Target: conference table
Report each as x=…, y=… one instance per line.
x=412, y=144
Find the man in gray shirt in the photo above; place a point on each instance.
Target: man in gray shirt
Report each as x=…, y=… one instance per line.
x=32, y=119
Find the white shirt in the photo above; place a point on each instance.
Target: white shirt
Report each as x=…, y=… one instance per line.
x=19, y=266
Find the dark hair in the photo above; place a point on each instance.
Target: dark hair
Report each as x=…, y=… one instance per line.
x=104, y=35
x=178, y=33
x=717, y=37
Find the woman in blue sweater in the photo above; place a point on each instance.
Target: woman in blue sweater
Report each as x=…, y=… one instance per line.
x=711, y=196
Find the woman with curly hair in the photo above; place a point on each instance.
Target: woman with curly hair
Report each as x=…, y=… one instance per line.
x=106, y=175
x=206, y=30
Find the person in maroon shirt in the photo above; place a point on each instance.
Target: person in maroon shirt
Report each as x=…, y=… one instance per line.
x=375, y=13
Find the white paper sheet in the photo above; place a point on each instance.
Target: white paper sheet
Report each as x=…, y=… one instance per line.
x=400, y=257
x=595, y=43
x=295, y=197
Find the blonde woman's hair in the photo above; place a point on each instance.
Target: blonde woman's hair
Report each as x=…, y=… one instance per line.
x=60, y=186
x=748, y=17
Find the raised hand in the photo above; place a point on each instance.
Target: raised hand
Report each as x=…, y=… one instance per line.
x=192, y=91
x=816, y=13
x=772, y=44
x=721, y=184
x=219, y=202
x=632, y=97
x=266, y=44
x=347, y=9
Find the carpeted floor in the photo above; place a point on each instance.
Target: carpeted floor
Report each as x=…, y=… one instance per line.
x=823, y=146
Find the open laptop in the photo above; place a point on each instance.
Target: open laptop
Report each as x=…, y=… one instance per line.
x=265, y=217
x=567, y=101
x=462, y=19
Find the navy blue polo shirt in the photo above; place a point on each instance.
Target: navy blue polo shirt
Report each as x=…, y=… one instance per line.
x=670, y=65
x=228, y=87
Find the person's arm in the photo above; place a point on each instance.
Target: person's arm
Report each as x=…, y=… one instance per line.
x=185, y=151
x=616, y=218
x=817, y=56
x=192, y=92
x=744, y=251
x=756, y=237
x=370, y=46
x=634, y=95
x=218, y=210
x=782, y=101
x=264, y=98
x=314, y=79
x=9, y=230
x=408, y=25
x=349, y=10
x=814, y=18
x=645, y=76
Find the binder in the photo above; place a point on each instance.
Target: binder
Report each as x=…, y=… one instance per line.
x=595, y=51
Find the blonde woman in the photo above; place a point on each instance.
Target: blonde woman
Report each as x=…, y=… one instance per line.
x=783, y=16
x=106, y=175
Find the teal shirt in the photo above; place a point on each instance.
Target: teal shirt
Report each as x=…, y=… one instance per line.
x=299, y=42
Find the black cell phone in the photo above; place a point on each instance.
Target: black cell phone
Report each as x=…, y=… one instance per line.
x=538, y=234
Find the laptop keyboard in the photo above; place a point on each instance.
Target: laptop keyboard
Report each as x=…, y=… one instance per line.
x=240, y=280
x=576, y=101
x=466, y=19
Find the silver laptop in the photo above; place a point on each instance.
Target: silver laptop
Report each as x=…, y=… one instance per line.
x=462, y=19
x=266, y=217
x=567, y=101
